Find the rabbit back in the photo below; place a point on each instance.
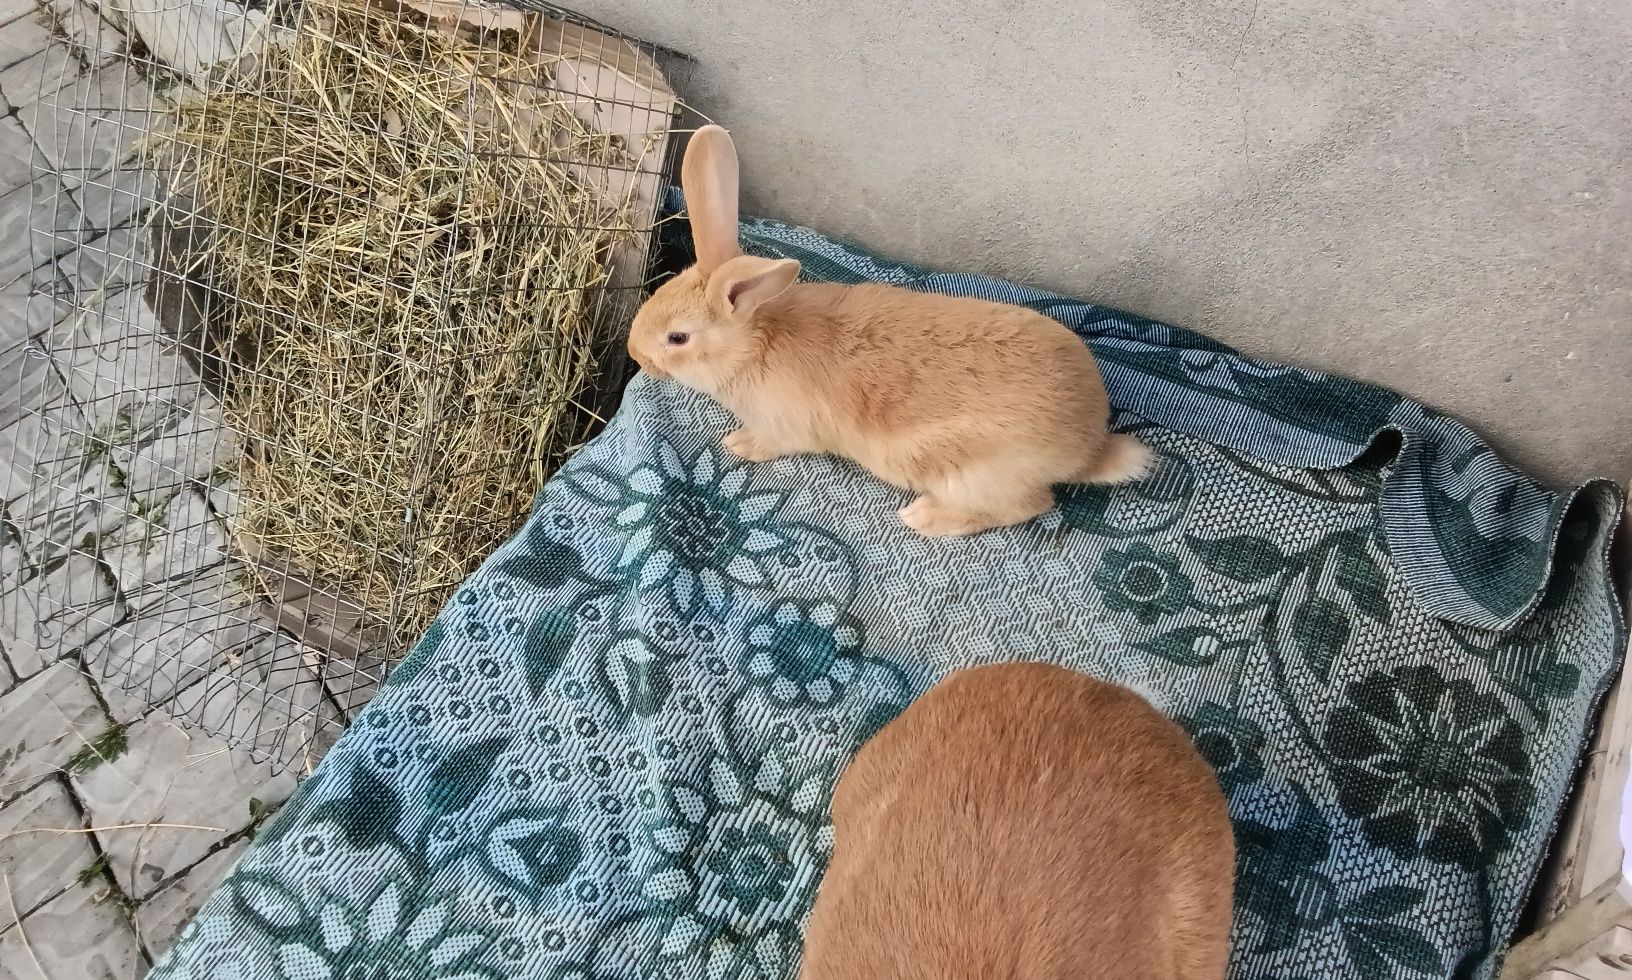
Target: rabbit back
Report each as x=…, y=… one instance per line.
x=1024, y=821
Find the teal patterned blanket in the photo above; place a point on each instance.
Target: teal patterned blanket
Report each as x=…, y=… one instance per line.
x=611, y=756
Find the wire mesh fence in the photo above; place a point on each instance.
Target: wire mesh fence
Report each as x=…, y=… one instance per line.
x=318, y=293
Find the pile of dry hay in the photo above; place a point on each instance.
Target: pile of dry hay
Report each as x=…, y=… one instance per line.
x=413, y=269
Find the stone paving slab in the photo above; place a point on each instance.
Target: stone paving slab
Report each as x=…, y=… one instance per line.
x=10, y=10
x=193, y=37
x=68, y=509
x=44, y=721
x=192, y=443
x=37, y=223
x=160, y=919
x=121, y=371
x=28, y=306
x=42, y=440
x=115, y=199
x=23, y=38
x=26, y=375
x=90, y=123
x=169, y=547
x=58, y=611
x=108, y=262
x=40, y=865
x=75, y=477
x=26, y=436
x=93, y=38
x=353, y=681
x=38, y=75
x=16, y=155
x=171, y=775
x=269, y=699
x=119, y=362
x=177, y=635
x=74, y=937
x=124, y=707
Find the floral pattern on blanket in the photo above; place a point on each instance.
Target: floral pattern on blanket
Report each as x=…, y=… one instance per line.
x=611, y=756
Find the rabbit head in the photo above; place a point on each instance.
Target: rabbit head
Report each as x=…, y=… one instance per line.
x=698, y=326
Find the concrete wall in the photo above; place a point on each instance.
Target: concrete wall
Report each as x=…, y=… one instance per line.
x=1429, y=194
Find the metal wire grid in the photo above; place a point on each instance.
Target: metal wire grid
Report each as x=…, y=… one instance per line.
x=115, y=454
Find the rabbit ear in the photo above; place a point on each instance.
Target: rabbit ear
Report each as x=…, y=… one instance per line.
x=740, y=286
x=708, y=175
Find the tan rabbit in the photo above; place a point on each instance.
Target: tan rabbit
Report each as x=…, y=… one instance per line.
x=979, y=407
x=1025, y=822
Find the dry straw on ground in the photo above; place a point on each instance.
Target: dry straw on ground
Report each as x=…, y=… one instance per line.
x=413, y=259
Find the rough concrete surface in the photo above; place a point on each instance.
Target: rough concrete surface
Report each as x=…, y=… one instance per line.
x=1430, y=195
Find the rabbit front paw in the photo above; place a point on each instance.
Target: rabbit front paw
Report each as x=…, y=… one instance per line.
x=750, y=447
x=934, y=519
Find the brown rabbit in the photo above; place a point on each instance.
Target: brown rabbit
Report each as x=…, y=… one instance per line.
x=979, y=407
x=1025, y=822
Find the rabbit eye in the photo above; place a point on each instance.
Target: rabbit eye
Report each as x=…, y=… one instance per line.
x=678, y=339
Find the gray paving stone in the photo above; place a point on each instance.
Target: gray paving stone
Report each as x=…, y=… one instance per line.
x=108, y=428
x=177, y=635
x=107, y=263
x=41, y=864
x=24, y=375
x=353, y=681
x=20, y=39
x=270, y=700
x=28, y=306
x=79, y=497
x=42, y=72
x=16, y=156
x=225, y=495
x=75, y=936
x=192, y=446
x=55, y=478
x=10, y=10
x=57, y=612
x=124, y=707
x=117, y=198
x=43, y=436
x=177, y=544
x=96, y=40
x=169, y=775
x=68, y=503
x=37, y=223
x=43, y=722
x=160, y=919
x=33, y=390
x=91, y=123
x=121, y=369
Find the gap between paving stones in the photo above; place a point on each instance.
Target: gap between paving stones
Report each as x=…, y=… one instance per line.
x=140, y=885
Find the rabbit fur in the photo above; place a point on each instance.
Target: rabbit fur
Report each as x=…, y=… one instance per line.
x=978, y=407
x=1026, y=822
